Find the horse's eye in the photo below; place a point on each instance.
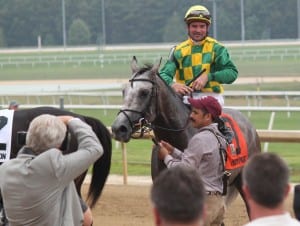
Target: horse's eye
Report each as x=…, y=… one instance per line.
x=144, y=93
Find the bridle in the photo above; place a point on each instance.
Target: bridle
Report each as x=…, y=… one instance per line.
x=143, y=126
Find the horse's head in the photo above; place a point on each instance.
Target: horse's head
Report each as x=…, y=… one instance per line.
x=140, y=101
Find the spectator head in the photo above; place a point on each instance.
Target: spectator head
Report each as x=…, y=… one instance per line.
x=178, y=197
x=266, y=180
x=45, y=132
x=13, y=105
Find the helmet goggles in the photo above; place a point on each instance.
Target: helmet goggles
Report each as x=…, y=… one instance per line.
x=199, y=15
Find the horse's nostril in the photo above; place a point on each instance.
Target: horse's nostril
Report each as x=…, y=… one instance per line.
x=123, y=129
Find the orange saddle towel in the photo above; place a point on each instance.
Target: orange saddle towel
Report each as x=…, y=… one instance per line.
x=237, y=151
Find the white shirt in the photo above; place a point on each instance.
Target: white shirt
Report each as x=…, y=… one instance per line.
x=276, y=220
x=198, y=95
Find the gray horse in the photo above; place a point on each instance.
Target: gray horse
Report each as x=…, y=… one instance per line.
x=150, y=102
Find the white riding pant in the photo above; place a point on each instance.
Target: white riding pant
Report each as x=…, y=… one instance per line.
x=198, y=95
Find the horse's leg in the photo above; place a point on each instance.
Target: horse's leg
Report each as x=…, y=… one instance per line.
x=231, y=195
x=235, y=188
x=157, y=165
x=238, y=184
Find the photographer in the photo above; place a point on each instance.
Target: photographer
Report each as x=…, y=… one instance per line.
x=37, y=187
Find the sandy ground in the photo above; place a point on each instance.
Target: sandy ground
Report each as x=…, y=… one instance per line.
x=129, y=205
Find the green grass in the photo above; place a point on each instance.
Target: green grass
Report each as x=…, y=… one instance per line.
x=122, y=70
x=274, y=67
x=271, y=68
x=139, y=151
x=282, y=86
x=88, y=71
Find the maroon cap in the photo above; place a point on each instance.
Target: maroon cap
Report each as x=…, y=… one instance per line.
x=208, y=103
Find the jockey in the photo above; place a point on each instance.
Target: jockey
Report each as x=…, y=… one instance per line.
x=199, y=53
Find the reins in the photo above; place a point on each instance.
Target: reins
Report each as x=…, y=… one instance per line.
x=170, y=129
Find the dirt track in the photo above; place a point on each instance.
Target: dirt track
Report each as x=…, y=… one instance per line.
x=129, y=205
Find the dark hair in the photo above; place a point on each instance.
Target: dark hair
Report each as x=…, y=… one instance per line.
x=178, y=194
x=267, y=176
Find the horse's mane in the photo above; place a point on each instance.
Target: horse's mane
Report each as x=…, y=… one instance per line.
x=147, y=67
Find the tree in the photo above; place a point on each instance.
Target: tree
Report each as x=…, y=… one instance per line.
x=135, y=21
x=174, y=30
x=79, y=33
x=2, y=38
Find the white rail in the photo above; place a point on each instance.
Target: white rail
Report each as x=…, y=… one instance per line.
x=259, y=95
x=116, y=107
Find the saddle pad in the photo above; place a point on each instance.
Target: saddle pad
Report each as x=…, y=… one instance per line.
x=237, y=151
x=5, y=134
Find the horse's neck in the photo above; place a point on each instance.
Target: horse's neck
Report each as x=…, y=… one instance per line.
x=171, y=111
x=172, y=119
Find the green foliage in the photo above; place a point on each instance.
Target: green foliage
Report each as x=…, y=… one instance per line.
x=2, y=38
x=174, y=35
x=79, y=33
x=24, y=21
x=135, y=21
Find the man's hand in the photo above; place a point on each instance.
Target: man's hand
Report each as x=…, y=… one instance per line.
x=165, y=149
x=167, y=146
x=182, y=89
x=200, y=82
x=65, y=118
x=162, y=153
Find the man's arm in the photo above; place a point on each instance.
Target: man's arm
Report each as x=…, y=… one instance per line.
x=168, y=71
x=223, y=69
x=89, y=150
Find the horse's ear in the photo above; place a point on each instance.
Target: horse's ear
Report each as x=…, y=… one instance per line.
x=155, y=68
x=134, y=65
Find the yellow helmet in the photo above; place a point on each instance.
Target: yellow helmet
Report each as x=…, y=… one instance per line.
x=198, y=13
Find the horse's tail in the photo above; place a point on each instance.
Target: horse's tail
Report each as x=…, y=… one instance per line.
x=101, y=167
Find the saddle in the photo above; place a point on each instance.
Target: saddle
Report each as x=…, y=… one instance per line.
x=237, y=150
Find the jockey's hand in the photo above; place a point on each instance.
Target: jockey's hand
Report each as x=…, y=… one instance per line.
x=200, y=82
x=182, y=89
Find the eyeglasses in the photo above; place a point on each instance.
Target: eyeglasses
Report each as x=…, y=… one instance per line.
x=200, y=14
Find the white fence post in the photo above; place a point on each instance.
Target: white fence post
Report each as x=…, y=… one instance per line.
x=271, y=122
